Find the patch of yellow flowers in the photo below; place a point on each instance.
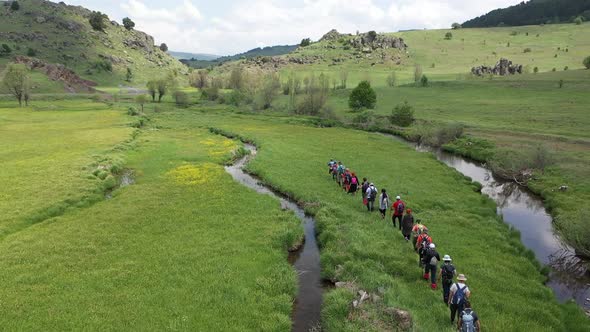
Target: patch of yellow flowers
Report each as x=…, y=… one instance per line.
x=219, y=147
x=196, y=174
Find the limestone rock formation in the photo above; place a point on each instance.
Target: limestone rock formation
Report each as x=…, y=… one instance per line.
x=502, y=68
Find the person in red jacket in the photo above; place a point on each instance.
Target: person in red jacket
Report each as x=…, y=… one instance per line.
x=398, y=209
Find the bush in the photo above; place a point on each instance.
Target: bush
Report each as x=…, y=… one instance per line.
x=235, y=98
x=586, y=62
x=527, y=50
x=364, y=119
x=402, y=115
x=181, y=99
x=211, y=93
x=448, y=36
x=103, y=65
x=536, y=70
x=363, y=96
x=566, y=68
x=554, y=69
x=141, y=100
x=305, y=42
x=96, y=20
x=128, y=23
x=31, y=52
x=578, y=20
x=560, y=84
x=163, y=47
x=5, y=49
x=391, y=79
x=14, y=6
x=455, y=26
x=424, y=81
x=133, y=111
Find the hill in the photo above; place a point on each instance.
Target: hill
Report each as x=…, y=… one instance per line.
x=58, y=38
x=253, y=53
x=196, y=56
x=533, y=12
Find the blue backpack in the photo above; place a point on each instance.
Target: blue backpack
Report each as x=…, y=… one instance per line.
x=467, y=321
x=459, y=296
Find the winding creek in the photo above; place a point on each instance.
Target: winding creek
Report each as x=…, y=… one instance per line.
x=306, y=260
x=523, y=210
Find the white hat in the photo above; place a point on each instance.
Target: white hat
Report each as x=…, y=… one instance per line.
x=447, y=258
x=371, y=184
x=398, y=197
x=461, y=277
x=432, y=246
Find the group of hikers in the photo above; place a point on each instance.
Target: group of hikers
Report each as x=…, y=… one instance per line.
x=455, y=294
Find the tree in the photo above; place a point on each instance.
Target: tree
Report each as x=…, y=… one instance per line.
x=315, y=94
x=152, y=87
x=128, y=23
x=424, y=81
x=14, y=6
x=363, y=96
x=343, y=79
x=455, y=26
x=269, y=90
x=236, y=78
x=305, y=42
x=96, y=20
x=391, y=79
x=536, y=70
x=31, y=52
x=402, y=115
x=448, y=36
x=16, y=81
x=162, y=87
x=164, y=47
x=578, y=20
x=5, y=50
x=181, y=98
x=199, y=79
x=141, y=100
x=129, y=75
x=417, y=73
x=586, y=62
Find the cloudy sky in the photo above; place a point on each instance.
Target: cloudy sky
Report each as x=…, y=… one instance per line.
x=229, y=26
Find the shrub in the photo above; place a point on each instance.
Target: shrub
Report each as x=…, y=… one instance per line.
x=132, y=111
x=424, y=81
x=31, y=52
x=235, y=98
x=536, y=70
x=455, y=26
x=391, y=79
x=128, y=23
x=103, y=65
x=363, y=96
x=96, y=20
x=448, y=36
x=417, y=73
x=364, y=119
x=141, y=100
x=566, y=68
x=578, y=20
x=268, y=90
x=129, y=75
x=5, y=49
x=527, y=50
x=14, y=6
x=305, y=42
x=554, y=69
x=586, y=62
x=211, y=93
x=513, y=33
x=181, y=99
x=402, y=115
x=163, y=47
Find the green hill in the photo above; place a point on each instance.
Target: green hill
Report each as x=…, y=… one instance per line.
x=61, y=34
x=196, y=56
x=253, y=53
x=533, y=12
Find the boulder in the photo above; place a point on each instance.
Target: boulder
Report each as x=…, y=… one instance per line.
x=502, y=68
x=402, y=318
x=333, y=35
x=40, y=19
x=379, y=41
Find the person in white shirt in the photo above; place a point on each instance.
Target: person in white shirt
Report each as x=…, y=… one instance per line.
x=459, y=294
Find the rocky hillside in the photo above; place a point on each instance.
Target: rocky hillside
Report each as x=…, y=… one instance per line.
x=56, y=35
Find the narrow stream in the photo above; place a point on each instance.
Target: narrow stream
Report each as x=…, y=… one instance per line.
x=306, y=260
x=523, y=210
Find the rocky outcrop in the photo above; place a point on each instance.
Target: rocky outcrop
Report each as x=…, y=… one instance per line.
x=140, y=40
x=371, y=41
x=333, y=35
x=502, y=68
x=58, y=72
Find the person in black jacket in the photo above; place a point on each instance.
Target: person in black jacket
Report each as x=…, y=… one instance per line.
x=430, y=260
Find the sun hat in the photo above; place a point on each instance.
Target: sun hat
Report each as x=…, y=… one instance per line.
x=409, y=211
x=398, y=197
x=432, y=246
x=371, y=184
x=447, y=258
x=461, y=277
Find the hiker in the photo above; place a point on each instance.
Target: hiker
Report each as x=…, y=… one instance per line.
x=341, y=169
x=347, y=180
x=447, y=274
x=354, y=184
x=468, y=320
x=458, y=295
x=371, y=195
x=330, y=165
x=422, y=243
x=383, y=203
x=417, y=230
x=398, y=208
x=407, y=224
x=364, y=187
x=335, y=172
x=430, y=260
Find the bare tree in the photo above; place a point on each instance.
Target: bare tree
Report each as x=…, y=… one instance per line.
x=16, y=81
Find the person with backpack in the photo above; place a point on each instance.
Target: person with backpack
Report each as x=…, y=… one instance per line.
x=383, y=203
x=371, y=196
x=418, y=229
x=398, y=208
x=447, y=274
x=335, y=172
x=430, y=261
x=331, y=165
x=364, y=187
x=468, y=320
x=341, y=169
x=422, y=244
x=354, y=184
x=458, y=296
x=347, y=179
x=407, y=224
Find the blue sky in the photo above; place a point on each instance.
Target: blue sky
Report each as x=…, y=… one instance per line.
x=228, y=27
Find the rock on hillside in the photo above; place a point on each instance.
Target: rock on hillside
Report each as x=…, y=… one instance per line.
x=56, y=33
x=503, y=67
x=368, y=40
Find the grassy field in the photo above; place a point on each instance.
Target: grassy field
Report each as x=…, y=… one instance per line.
x=184, y=248
x=463, y=223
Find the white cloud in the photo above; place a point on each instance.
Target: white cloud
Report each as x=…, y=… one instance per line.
x=247, y=24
